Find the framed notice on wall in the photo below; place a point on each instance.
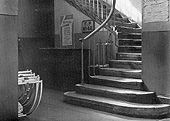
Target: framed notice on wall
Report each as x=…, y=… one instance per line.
x=88, y=26
x=67, y=30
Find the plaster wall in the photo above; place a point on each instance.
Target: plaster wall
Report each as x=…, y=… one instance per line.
x=8, y=60
x=62, y=8
x=156, y=56
x=35, y=30
x=35, y=19
x=131, y=8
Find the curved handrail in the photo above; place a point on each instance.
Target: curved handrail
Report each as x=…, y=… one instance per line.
x=103, y=24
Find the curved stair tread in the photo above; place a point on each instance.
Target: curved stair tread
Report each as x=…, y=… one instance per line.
x=130, y=33
x=116, y=102
x=124, y=27
x=115, y=90
x=129, y=39
x=123, y=70
x=131, y=61
x=118, y=79
x=131, y=53
x=132, y=24
x=128, y=46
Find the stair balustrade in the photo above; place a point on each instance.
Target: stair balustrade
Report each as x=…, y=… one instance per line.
x=102, y=12
x=101, y=53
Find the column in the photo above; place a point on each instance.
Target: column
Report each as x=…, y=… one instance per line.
x=8, y=60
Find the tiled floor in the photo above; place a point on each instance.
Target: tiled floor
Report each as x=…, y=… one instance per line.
x=52, y=108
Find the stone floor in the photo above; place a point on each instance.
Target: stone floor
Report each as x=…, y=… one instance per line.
x=52, y=108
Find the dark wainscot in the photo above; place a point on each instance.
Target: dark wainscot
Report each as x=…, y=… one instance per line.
x=61, y=68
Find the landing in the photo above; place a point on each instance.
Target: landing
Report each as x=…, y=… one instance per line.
x=52, y=108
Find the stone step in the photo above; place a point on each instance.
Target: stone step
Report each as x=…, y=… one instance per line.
x=130, y=42
x=130, y=49
x=117, y=82
x=117, y=106
x=129, y=56
x=117, y=15
x=135, y=96
x=129, y=35
x=118, y=72
x=128, y=29
x=124, y=20
x=128, y=64
x=94, y=69
x=119, y=23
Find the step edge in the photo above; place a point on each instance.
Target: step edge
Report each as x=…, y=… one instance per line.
x=131, y=105
x=130, y=53
x=130, y=33
x=126, y=61
x=128, y=46
x=123, y=70
x=109, y=90
x=135, y=40
x=164, y=99
x=105, y=78
x=125, y=27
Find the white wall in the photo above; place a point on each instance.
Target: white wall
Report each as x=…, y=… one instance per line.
x=63, y=8
x=131, y=8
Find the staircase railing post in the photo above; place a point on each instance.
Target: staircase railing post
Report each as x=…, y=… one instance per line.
x=82, y=61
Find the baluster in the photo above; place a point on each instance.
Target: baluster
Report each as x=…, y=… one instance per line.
x=98, y=8
x=102, y=10
x=84, y=3
x=94, y=57
x=98, y=53
x=87, y=4
x=81, y=2
x=101, y=51
x=103, y=44
x=107, y=5
x=82, y=61
x=89, y=68
x=96, y=13
x=93, y=6
x=77, y=1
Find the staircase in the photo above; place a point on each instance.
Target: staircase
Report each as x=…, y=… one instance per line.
x=118, y=87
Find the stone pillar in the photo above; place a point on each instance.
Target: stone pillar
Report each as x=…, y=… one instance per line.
x=156, y=46
x=8, y=60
